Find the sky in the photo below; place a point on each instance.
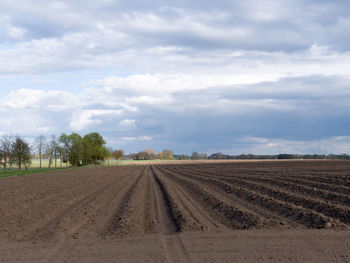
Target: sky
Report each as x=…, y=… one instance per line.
x=253, y=76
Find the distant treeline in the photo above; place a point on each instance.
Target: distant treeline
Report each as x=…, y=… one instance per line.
x=221, y=156
x=150, y=154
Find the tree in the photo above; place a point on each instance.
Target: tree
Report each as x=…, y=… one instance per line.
x=6, y=143
x=218, y=156
x=168, y=154
x=1, y=157
x=94, y=150
x=203, y=156
x=139, y=156
x=21, y=153
x=109, y=154
x=73, y=146
x=65, y=147
x=60, y=151
x=151, y=153
x=83, y=151
x=160, y=156
x=40, y=145
x=118, y=154
x=76, y=149
x=52, y=149
x=286, y=156
x=195, y=156
x=183, y=157
x=133, y=156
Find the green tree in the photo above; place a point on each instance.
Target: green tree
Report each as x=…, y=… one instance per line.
x=76, y=150
x=73, y=147
x=65, y=147
x=94, y=150
x=21, y=153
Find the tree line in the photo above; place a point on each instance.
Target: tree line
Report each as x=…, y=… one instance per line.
x=150, y=154
x=221, y=156
x=72, y=149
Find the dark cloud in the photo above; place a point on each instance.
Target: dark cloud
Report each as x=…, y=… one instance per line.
x=197, y=122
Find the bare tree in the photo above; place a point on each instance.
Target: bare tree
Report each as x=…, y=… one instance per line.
x=60, y=153
x=52, y=150
x=6, y=150
x=109, y=154
x=40, y=145
x=195, y=156
x=160, y=156
x=1, y=157
x=151, y=153
x=168, y=154
x=118, y=154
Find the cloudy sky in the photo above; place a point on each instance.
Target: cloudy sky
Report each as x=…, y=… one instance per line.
x=253, y=76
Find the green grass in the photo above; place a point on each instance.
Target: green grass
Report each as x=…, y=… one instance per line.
x=16, y=172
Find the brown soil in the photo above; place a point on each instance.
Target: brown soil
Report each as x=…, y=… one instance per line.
x=179, y=212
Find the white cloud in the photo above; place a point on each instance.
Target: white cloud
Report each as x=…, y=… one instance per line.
x=24, y=122
x=46, y=129
x=138, y=138
x=157, y=85
x=83, y=118
x=16, y=32
x=127, y=123
x=39, y=99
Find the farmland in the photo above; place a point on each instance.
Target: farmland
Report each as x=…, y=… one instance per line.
x=172, y=211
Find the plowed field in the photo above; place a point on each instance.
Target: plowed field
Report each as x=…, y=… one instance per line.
x=156, y=212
